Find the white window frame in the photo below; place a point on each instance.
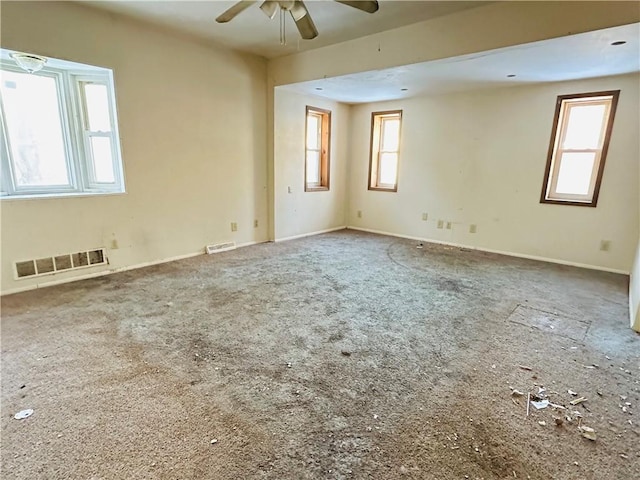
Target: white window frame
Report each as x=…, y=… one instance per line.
x=378, y=120
x=75, y=132
x=87, y=134
x=564, y=105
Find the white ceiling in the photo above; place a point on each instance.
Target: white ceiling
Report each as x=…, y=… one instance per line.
x=573, y=57
x=252, y=31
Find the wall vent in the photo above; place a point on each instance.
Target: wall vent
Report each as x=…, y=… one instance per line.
x=71, y=261
x=220, y=247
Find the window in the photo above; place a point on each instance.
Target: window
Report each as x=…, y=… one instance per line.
x=317, y=144
x=385, y=150
x=58, y=129
x=578, y=147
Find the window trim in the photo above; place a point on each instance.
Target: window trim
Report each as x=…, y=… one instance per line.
x=87, y=167
x=558, y=129
x=77, y=156
x=11, y=189
x=375, y=186
x=325, y=153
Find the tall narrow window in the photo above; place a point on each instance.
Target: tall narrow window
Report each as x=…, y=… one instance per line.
x=578, y=147
x=317, y=146
x=97, y=132
x=385, y=150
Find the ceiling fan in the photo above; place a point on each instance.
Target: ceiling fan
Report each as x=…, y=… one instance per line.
x=296, y=8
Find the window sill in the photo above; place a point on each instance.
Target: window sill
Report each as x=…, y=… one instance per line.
x=47, y=196
x=316, y=189
x=381, y=189
x=568, y=202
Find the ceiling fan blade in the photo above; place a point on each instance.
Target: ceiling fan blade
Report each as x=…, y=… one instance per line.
x=270, y=7
x=305, y=24
x=298, y=10
x=235, y=10
x=365, y=6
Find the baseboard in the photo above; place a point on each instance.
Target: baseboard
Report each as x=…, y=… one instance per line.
x=500, y=252
x=368, y=230
x=310, y=234
x=110, y=271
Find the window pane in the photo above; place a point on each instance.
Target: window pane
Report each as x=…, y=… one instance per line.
x=102, y=159
x=584, y=126
x=390, y=135
x=34, y=129
x=388, y=172
x=313, y=132
x=313, y=167
x=97, y=106
x=574, y=175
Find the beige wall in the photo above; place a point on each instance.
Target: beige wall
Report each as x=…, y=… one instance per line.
x=497, y=25
x=634, y=292
x=634, y=285
x=479, y=158
x=195, y=160
x=193, y=133
x=299, y=212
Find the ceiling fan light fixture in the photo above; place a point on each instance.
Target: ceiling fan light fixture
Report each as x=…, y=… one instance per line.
x=29, y=63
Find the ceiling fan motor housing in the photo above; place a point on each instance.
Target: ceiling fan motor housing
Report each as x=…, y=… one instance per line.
x=298, y=11
x=286, y=4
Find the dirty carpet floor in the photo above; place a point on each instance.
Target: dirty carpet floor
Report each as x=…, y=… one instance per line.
x=345, y=355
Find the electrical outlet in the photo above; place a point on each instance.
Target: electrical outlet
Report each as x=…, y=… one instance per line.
x=440, y=223
x=234, y=227
x=473, y=228
x=255, y=223
x=288, y=189
x=425, y=217
x=448, y=225
x=359, y=214
x=605, y=245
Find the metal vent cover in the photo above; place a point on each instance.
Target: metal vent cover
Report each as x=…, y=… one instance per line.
x=220, y=247
x=59, y=263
